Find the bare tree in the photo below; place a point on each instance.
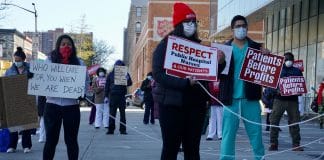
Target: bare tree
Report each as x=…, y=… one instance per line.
x=102, y=51
x=3, y=8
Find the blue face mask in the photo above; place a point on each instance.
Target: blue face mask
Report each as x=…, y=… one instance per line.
x=19, y=64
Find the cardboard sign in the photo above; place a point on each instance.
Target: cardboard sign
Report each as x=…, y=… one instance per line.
x=92, y=70
x=57, y=80
x=299, y=64
x=294, y=85
x=120, y=75
x=18, y=110
x=184, y=58
x=262, y=69
x=228, y=55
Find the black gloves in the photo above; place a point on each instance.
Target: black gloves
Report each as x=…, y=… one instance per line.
x=30, y=75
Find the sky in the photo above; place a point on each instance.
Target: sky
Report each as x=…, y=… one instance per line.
x=105, y=18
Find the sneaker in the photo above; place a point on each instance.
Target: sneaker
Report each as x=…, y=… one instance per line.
x=110, y=132
x=219, y=139
x=209, y=139
x=11, y=150
x=26, y=150
x=297, y=147
x=273, y=147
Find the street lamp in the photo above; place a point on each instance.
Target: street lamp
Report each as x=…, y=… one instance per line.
x=35, y=37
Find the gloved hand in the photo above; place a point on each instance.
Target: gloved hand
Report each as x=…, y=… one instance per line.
x=81, y=98
x=30, y=75
x=106, y=100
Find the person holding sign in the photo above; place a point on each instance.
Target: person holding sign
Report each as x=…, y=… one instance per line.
x=102, y=108
x=182, y=102
x=146, y=86
x=284, y=103
x=19, y=67
x=63, y=110
x=320, y=103
x=240, y=96
x=115, y=90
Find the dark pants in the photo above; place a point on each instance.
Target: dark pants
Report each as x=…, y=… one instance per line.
x=54, y=115
x=279, y=107
x=117, y=102
x=26, y=139
x=92, y=115
x=181, y=125
x=149, y=111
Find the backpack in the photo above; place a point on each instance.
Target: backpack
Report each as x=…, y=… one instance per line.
x=4, y=139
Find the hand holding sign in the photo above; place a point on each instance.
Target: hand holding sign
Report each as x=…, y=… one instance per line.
x=220, y=56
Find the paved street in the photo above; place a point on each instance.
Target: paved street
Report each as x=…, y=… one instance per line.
x=143, y=142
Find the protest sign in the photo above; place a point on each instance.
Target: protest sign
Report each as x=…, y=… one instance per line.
x=293, y=85
x=18, y=110
x=299, y=64
x=262, y=69
x=120, y=74
x=184, y=58
x=92, y=70
x=227, y=50
x=57, y=80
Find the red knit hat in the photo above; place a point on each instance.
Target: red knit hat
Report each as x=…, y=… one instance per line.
x=182, y=12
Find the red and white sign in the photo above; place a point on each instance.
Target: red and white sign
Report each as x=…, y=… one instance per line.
x=299, y=64
x=262, y=69
x=294, y=85
x=185, y=58
x=93, y=69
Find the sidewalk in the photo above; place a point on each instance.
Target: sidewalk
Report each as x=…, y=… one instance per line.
x=143, y=142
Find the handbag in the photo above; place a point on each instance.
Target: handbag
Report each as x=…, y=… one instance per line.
x=314, y=105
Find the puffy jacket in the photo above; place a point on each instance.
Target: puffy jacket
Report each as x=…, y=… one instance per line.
x=252, y=91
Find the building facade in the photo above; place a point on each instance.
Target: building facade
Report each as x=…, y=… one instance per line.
x=288, y=26
x=10, y=39
x=157, y=25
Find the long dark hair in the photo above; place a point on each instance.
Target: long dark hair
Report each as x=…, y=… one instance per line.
x=56, y=56
x=178, y=31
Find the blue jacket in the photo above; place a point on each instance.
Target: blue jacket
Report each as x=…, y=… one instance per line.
x=13, y=70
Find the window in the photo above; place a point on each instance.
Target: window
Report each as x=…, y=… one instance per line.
x=320, y=28
x=312, y=32
x=138, y=11
x=138, y=27
x=295, y=35
x=303, y=32
x=313, y=7
x=305, y=7
x=297, y=12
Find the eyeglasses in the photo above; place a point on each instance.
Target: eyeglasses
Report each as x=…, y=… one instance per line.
x=191, y=22
x=241, y=25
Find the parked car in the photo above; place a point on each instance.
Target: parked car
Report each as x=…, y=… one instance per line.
x=135, y=99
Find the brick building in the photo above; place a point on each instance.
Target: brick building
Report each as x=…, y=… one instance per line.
x=158, y=24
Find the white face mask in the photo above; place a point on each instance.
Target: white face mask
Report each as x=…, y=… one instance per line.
x=189, y=28
x=19, y=64
x=240, y=33
x=289, y=63
x=149, y=77
x=101, y=74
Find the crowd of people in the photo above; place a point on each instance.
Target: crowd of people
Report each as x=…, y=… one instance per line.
x=180, y=104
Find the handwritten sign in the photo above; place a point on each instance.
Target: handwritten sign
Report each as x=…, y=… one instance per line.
x=228, y=54
x=184, y=58
x=294, y=85
x=120, y=75
x=299, y=64
x=57, y=80
x=262, y=69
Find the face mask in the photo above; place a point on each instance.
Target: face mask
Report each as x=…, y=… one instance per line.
x=19, y=64
x=65, y=52
x=289, y=63
x=101, y=74
x=149, y=77
x=189, y=28
x=240, y=33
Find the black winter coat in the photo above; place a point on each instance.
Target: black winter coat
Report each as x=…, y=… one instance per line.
x=171, y=90
x=252, y=91
x=147, y=88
